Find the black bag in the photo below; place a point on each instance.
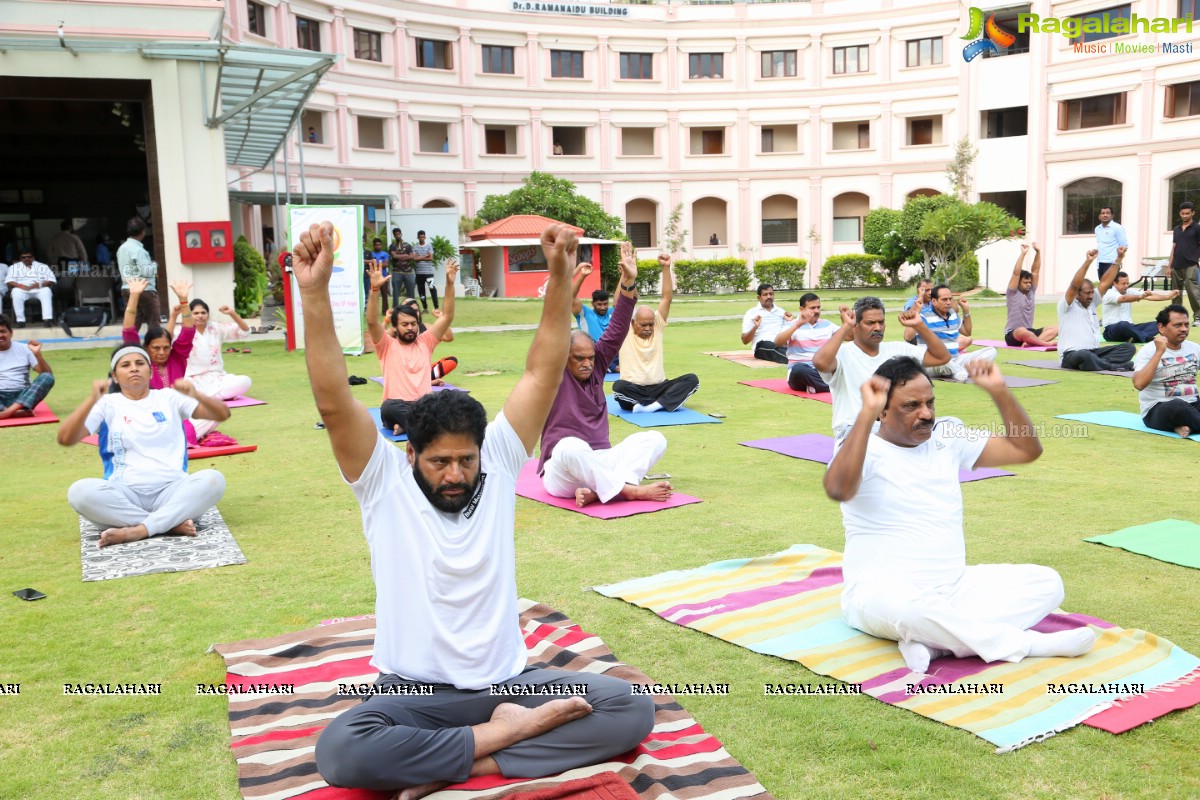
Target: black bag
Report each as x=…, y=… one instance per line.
x=84, y=317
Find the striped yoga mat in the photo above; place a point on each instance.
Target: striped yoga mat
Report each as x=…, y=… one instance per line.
x=788, y=605
x=274, y=735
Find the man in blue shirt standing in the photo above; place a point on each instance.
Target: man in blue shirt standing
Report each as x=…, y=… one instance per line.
x=1109, y=236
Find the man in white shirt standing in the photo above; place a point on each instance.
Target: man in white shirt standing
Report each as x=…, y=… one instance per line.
x=1116, y=310
x=905, y=567
x=1165, y=376
x=31, y=280
x=1111, y=241
x=438, y=519
x=1079, y=328
x=762, y=324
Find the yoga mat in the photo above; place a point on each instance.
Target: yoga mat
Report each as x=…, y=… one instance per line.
x=1047, y=363
x=819, y=448
x=194, y=451
x=780, y=385
x=242, y=401
x=529, y=486
x=387, y=434
x=1003, y=345
x=658, y=419
x=273, y=736
x=1122, y=419
x=1129, y=712
x=1170, y=540
x=446, y=387
x=605, y=786
x=212, y=546
x=41, y=415
x=789, y=605
x=744, y=357
x=610, y=377
x=1011, y=381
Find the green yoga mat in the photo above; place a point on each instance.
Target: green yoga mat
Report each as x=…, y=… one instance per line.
x=1170, y=540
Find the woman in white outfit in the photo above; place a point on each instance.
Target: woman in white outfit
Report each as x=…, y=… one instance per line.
x=205, y=367
x=146, y=489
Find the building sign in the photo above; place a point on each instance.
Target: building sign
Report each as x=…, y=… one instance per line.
x=574, y=9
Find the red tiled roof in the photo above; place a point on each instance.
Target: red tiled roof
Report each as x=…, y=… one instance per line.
x=519, y=226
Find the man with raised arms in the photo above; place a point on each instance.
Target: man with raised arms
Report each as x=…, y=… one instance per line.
x=1079, y=327
x=438, y=518
x=905, y=567
x=1020, y=298
x=845, y=369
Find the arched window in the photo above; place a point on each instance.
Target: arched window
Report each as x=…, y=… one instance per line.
x=849, y=208
x=779, y=220
x=1083, y=199
x=1184, y=186
x=641, y=222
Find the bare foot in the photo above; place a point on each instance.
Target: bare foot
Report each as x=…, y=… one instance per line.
x=397, y=430
x=414, y=792
x=185, y=528
x=659, y=492
x=526, y=723
x=437, y=382
x=15, y=410
x=1184, y=431
x=120, y=535
x=585, y=496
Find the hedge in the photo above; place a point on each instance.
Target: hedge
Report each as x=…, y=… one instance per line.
x=782, y=273
x=705, y=277
x=852, y=271
x=649, y=275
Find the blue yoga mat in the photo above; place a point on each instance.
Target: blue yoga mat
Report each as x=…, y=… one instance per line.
x=658, y=419
x=386, y=433
x=609, y=377
x=1122, y=419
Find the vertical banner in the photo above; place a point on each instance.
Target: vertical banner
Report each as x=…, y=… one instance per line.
x=345, y=285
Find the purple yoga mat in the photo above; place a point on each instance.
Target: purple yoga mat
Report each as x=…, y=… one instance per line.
x=242, y=400
x=819, y=448
x=1011, y=381
x=529, y=485
x=443, y=388
x=1049, y=364
x=1000, y=343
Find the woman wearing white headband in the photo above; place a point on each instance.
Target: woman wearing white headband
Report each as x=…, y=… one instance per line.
x=146, y=489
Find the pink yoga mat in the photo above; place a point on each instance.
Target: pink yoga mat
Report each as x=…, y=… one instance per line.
x=194, y=452
x=780, y=385
x=1129, y=712
x=819, y=448
x=242, y=401
x=41, y=415
x=529, y=485
x=1001, y=344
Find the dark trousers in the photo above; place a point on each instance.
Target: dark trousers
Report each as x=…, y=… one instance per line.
x=422, y=281
x=1130, y=332
x=1172, y=414
x=1117, y=357
x=394, y=412
x=147, y=311
x=403, y=282
x=803, y=376
x=1102, y=267
x=767, y=351
x=670, y=394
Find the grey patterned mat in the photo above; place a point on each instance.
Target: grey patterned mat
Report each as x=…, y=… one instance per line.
x=212, y=546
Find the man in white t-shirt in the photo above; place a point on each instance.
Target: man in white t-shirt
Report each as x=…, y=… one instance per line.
x=1116, y=310
x=1079, y=327
x=845, y=369
x=761, y=324
x=438, y=519
x=803, y=338
x=905, y=567
x=1165, y=376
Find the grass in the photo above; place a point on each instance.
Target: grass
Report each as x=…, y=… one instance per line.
x=300, y=529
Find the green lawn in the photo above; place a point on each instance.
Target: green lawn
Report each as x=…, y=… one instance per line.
x=300, y=530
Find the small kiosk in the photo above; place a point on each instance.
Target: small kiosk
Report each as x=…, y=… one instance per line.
x=511, y=262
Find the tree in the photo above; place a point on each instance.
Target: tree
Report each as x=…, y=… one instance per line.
x=958, y=171
x=674, y=237
x=951, y=235
x=881, y=236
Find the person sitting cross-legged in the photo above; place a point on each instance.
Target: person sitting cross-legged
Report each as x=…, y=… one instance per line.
x=1117, y=310
x=1079, y=328
x=1165, y=376
x=949, y=317
x=905, y=566
x=19, y=395
x=578, y=460
x=803, y=339
x=446, y=591
x=761, y=324
x=644, y=385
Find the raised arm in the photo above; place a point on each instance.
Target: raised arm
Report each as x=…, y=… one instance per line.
x=1019, y=443
x=785, y=335
x=936, y=353
x=443, y=322
x=668, y=285
x=825, y=359
x=351, y=430
x=1106, y=282
x=581, y=272
x=72, y=429
x=1036, y=269
x=378, y=282
x=136, y=287
x=964, y=314
x=529, y=403
x=844, y=475
x=42, y=367
x=1142, y=378
x=1015, y=281
x=1080, y=275
x=209, y=407
x=232, y=313
x=182, y=289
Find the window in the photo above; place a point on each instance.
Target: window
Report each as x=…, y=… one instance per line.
x=1184, y=186
x=851, y=136
x=707, y=141
x=1183, y=100
x=368, y=45
x=924, y=52
x=780, y=139
x=1187, y=10
x=566, y=64
x=1083, y=199
x=1091, y=112
x=1007, y=19
x=498, y=59
x=568, y=141
x=637, y=66
x=779, y=64
x=312, y=123
x=1000, y=123
x=637, y=141
x=847, y=229
x=1116, y=12
x=370, y=133
x=638, y=233
x=706, y=65
x=924, y=130
x=256, y=18
x=434, y=54
x=779, y=231
x=850, y=59
x=500, y=140
x=433, y=137
x=308, y=34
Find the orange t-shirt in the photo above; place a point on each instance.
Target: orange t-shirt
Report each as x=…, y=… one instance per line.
x=406, y=367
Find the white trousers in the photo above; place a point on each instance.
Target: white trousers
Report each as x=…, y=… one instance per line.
x=221, y=384
x=987, y=612
x=110, y=504
x=958, y=363
x=20, y=297
x=575, y=465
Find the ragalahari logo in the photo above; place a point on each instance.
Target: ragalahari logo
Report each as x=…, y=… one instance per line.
x=985, y=37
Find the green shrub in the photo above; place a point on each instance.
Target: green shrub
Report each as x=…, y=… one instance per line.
x=852, y=271
x=705, y=277
x=249, y=278
x=275, y=278
x=649, y=275
x=782, y=273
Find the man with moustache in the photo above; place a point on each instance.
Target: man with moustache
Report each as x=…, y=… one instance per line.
x=763, y=323
x=439, y=520
x=1165, y=376
x=906, y=576
x=1079, y=327
x=803, y=338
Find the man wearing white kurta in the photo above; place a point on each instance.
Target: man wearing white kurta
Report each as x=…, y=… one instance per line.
x=905, y=568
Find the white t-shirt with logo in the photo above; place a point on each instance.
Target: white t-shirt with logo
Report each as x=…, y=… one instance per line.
x=854, y=368
x=445, y=584
x=142, y=443
x=1175, y=378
